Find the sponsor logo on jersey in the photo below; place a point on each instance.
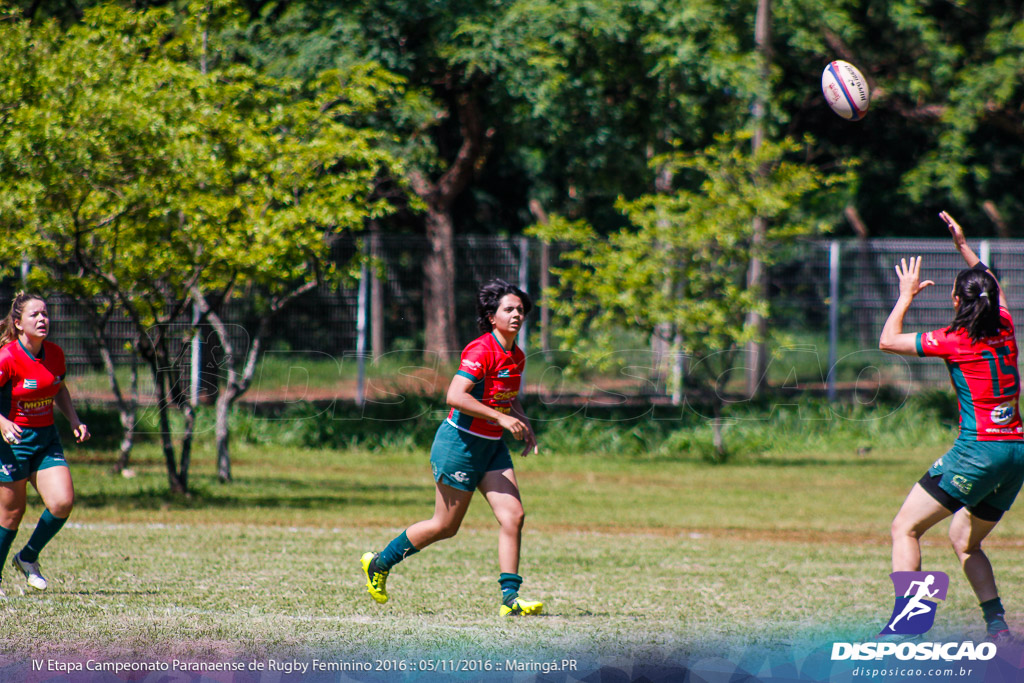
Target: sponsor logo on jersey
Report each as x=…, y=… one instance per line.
x=471, y=364
x=1003, y=413
x=27, y=406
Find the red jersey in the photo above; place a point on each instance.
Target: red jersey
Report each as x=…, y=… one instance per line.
x=985, y=377
x=28, y=384
x=496, y=374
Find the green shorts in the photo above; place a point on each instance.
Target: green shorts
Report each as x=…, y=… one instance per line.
x=982, y=473
x=460, y=459
x=39, y=449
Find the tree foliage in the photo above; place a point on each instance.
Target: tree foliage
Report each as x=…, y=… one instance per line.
x=680, y=267
x=134, y=178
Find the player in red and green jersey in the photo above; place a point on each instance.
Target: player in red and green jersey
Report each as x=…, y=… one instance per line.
x=495, y=374
x=468, y=451
x=31, y=383
x=979, y=478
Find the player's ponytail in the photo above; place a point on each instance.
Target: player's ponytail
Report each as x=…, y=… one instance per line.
x=8, y=332
x=978, y=313
x=490, y=296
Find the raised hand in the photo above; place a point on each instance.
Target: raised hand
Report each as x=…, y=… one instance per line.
x=910, y=277
x=954, y=230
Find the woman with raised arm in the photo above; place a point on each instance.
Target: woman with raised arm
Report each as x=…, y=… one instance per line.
x=32, y=376
x=977, y=480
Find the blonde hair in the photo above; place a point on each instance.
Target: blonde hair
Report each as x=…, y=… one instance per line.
x=8, y=332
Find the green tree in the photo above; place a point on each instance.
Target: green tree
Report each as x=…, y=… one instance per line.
x=136, y=180
x=700, y=237
x=286, y=175
x=92, y=168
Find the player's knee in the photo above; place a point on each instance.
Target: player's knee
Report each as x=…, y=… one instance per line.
x=899, y=528
x=962, y=545
x=445, y=530
x=512, y=519
x=61, y=507
x=902, y=528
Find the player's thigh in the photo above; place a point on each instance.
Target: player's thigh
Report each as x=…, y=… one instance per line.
x=450, y=504
x=919, y=512
x=501, y=489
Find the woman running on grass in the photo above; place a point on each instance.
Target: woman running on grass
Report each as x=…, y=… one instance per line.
x=978, y=479
x=31, y=383
x=468, y=451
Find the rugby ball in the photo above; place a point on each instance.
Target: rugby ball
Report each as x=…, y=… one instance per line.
x=845, y=90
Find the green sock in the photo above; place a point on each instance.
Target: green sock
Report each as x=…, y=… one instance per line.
x=45, y=530
x=397, y=550
x=995, y=620
x=6, y=539
x=510, y=584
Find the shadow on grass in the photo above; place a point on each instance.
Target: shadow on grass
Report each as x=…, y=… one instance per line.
x=106, y=592
x=294, y=494
x=781, y=463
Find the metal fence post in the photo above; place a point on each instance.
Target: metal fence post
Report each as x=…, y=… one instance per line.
x=197, y=356
x=524, y=283
x=833, y=318
x=361, y=317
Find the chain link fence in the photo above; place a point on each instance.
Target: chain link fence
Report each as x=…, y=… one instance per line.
x=829, y=301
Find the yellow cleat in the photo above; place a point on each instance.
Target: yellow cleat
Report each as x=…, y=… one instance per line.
x=376, y=580
x=521, y=607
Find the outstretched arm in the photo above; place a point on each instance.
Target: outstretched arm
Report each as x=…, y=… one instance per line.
x=960, y=243
x=893, y=339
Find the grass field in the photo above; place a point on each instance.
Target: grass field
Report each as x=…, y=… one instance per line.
x=634, y=551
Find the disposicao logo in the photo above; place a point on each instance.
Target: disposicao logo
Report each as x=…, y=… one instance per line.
x=916, y=594
x=913, y=613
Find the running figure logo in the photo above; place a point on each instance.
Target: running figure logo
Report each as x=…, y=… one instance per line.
x=916, y=596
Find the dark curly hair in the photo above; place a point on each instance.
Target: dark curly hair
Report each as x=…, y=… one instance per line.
x=978, y=313
x=490, y=295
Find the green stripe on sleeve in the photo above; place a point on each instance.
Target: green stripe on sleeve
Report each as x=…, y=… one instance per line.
x=920, y=346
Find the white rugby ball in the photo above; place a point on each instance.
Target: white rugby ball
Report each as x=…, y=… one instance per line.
x=845, y=90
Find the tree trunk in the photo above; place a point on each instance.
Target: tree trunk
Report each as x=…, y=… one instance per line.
x=439, y=284
x=189, y=411
x=222, y=432
x=126, y=407
x=238, y=382
x=717, y=439
x=439, y=265
x=757, y=274
x=163, y=403
x=128, y=422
